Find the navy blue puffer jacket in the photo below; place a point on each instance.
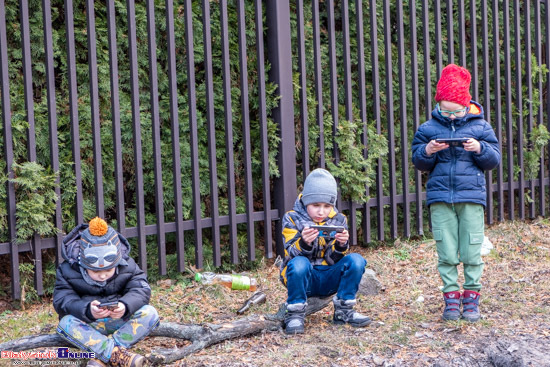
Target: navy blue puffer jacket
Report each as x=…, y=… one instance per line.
x=456, y=176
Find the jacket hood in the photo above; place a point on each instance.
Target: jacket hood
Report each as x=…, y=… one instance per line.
x=300, y=208
x=70, y=247
x=475, y=112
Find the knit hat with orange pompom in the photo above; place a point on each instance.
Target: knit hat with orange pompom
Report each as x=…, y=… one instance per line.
x=100, y=247
x=454, y=85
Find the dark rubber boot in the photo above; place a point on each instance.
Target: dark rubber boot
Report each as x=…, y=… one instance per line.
x=294, y=318
x=452, y=306
x=344, y=313
x=470, y=306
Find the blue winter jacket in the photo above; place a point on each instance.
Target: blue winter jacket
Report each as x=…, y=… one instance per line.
x=456, y=176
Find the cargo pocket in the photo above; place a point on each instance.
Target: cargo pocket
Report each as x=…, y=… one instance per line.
x=474, y=250
x=438, y=237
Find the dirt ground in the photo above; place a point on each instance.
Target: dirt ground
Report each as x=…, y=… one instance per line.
x=407, y=329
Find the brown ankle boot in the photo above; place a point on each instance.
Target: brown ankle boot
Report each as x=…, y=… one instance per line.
x=124, y=358
x=96, y=363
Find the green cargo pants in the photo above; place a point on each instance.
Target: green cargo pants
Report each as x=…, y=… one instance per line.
x=458, y=231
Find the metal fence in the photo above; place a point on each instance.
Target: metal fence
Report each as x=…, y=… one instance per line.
x=373, y=61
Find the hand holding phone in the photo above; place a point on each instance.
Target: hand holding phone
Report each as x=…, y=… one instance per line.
x=108, y=305
x=453, y=142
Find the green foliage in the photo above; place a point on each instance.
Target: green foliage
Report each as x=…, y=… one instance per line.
x=36, y=200
x=355, y=171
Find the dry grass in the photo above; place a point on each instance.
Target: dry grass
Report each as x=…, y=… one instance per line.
x=406, y=330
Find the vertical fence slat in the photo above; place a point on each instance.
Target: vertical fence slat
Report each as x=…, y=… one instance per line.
x=348, y=104
x=538, y=56
x=229, y=134
x=115, y=118
x=403, y=122
x=450, y=33
x=427, y=58
x=155, y=127
x=211, y=121
x=249, y=200
x=416, y=113
x=519, y=105
x=318, y=80
x=390, y=118
x=266, y=192
x=508, y=102
x=462, y=32
x=304, y=128
x=36, y=247
x=333, y=84
x=94, y=106
x=52, y=122
x=362, y=106
x=136, y=132
x=498, y=107
x=529, y=87
x=73, y=110
x=473, y=49
x=27, y=79
x=487, y=100
x=438, y=48
x=192, y=97
x=373, y=17
x=547, y=61
x=8, y=155
x=175, y=134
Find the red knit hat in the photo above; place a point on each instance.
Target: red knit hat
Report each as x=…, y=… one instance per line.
x=454, y=85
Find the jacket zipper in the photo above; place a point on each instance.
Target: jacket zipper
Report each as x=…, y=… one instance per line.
x=453, y=165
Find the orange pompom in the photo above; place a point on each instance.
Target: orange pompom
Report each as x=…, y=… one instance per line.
x=98, y=227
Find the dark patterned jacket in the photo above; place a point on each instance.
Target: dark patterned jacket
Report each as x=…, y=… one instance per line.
x=322, y=251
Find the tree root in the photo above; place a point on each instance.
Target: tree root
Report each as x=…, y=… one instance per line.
x=201, y=336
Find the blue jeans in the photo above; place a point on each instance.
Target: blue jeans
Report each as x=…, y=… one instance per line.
x=305, y=280
x=103, y=335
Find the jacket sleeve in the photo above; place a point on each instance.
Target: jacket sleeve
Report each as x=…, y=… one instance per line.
x=137, y=292
x=420, y=158
x=66, y=301
x=292, y=238
x=489, y=157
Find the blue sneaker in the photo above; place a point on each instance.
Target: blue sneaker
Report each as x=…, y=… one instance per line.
x=452, y=306
x=470, y=306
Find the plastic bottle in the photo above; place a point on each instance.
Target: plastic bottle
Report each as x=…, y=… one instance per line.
x=229, y=280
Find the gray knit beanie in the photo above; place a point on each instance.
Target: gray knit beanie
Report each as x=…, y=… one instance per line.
x=319, y=187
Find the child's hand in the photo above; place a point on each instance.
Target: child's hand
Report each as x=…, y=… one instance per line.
x=472, y=145
x=98, y=313
x=434, y=147
x=309, y=235
x=342, y=237
x=119, y=311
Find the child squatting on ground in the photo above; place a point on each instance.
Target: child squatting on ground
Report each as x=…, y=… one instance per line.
x=319, y=266
x=456, y=193
x=98, y=269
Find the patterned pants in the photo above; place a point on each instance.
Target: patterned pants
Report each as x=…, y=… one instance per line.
x=103, y=335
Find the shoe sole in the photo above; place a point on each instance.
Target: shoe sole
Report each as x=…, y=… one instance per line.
x=363, y=324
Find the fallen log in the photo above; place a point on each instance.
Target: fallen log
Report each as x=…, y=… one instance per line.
x=200, y=336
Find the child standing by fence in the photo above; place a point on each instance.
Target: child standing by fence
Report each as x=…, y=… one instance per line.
x=456, y=192
x=98, y=269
